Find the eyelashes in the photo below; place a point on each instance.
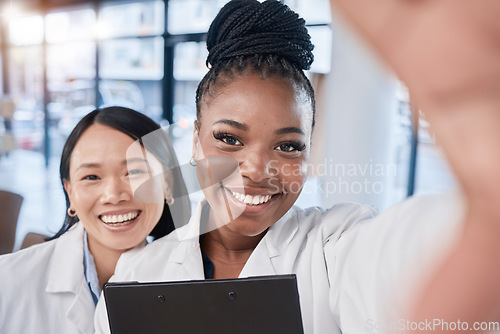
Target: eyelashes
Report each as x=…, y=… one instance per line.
x=291, y=146
x=136, y=172
x=227, y=138
x=288, y=146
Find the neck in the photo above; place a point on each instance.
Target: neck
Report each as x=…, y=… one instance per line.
x=230, y=239
x=229, y=250
x=105, y=260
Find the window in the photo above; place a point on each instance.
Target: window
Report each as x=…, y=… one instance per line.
x=192, y=16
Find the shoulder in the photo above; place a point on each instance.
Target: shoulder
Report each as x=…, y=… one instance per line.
x=325, y=223
x=417, y=216
x=338, y=214
x=406, y=225
x=338, y=211
x=34, y=260
x=24, y=273
x=393, y=250
x=28, y=258
x=42, y=283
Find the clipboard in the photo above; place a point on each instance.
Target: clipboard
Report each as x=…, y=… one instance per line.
x=260, y=304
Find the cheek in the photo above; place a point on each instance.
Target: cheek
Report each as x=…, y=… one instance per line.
x=199, y=152
x=153, y=214
x=82, y=198
x=207, y=145
x=293, y=176
x=148, y=190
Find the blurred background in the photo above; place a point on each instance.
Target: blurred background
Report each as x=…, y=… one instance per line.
x=61, y=59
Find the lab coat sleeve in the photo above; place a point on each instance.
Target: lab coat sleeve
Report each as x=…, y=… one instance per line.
x=376, y=267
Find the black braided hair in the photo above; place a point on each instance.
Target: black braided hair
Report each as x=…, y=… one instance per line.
x=266, y=38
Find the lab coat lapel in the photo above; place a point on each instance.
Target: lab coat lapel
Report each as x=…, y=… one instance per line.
x=66, y=277
x=79, y=311
x=259, y=263
x=267, y=258
x=185, y=262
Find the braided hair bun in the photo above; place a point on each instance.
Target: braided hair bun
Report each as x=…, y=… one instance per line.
x=249, y=37
x=248, y=27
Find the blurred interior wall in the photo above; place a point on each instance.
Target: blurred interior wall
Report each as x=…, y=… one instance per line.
x=357, y=108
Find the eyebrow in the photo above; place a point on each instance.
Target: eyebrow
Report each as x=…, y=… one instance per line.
x=232, y=123
x=128, y=161
x=290, y=129
x=88, y=165
x=241, y=126
x=97, y=165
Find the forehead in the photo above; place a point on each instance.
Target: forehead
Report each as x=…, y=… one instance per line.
x=100, y=143
x=271, y=100
x=102, y=137
x=108, y=147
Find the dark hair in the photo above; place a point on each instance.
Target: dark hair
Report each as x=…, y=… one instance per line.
x=266, y=38
x=136, y=126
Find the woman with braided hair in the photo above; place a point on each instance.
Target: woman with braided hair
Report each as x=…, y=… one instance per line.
x=251, y=145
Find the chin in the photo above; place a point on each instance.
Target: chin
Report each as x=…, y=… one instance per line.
x=248, y=227
x=124, y=245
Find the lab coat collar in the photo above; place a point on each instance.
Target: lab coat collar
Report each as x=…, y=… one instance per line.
x=66, y=269
x=186, y=237
x=281, y=233
x=79, y=311
x=266, y=256
x=66, y=275
x=182, y=246
x=274, y=243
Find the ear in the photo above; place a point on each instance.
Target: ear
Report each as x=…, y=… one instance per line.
x=196, y=137
x=67, y=188
x=168, y=186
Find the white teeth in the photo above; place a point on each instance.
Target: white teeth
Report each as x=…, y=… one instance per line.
x=252, y=200
x=248, y=199
x=118, y=219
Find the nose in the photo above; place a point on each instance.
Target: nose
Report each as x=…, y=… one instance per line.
x=257, y=165
x=115, y=190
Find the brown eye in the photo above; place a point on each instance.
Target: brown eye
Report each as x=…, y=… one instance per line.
x=286, y=148
x=227, y=139
x=136, y=171
x=290, y=147
x=231, y=141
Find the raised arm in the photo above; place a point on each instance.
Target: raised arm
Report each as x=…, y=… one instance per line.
x=448, y=54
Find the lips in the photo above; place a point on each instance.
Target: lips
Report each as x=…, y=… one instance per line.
x=120, y=219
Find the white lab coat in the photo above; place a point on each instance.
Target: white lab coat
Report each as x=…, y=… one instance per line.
x=335, y=254
x=43, y=288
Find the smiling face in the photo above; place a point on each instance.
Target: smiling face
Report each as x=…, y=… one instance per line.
x=106, y=166
x=265, y=125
